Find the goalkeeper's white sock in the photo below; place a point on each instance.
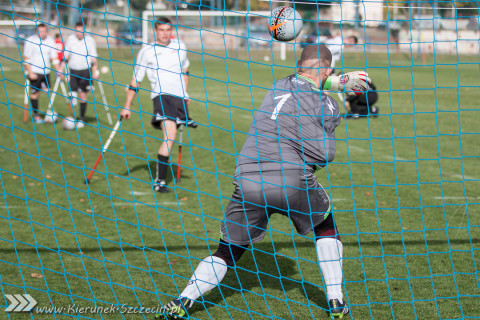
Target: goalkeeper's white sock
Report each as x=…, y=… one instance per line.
x=208, y=275
x=330, y=253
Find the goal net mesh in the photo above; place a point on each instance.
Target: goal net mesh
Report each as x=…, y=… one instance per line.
x=403, y=186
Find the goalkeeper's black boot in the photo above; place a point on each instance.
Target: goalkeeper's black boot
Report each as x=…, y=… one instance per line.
x=175, y=309
x=160, y=186
x=337, y=309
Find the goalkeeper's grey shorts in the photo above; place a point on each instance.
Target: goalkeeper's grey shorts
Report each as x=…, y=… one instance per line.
x=292, y=193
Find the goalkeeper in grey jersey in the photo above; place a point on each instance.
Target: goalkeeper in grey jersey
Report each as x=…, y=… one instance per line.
x=293, y=132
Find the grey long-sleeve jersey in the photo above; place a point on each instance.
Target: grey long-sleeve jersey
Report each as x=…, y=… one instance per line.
x=294, y=126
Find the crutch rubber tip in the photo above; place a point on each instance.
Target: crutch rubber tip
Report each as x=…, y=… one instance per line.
x=86, y=181
x=179, y=180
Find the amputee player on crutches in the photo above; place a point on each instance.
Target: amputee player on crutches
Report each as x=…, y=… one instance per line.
x=51, y=114
x=81, y=57
x=39, y=55
x=165, y=64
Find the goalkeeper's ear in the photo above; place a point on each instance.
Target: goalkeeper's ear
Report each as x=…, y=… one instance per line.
x=326, y=74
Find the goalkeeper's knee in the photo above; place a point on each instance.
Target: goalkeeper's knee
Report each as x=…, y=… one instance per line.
x=230, y=253
x=327, y=229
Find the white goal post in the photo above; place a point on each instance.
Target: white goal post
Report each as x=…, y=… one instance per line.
x=15, y=31
x=17, y=22
x=149, y=16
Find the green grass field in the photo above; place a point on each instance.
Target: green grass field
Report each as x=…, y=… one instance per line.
x=404, y=187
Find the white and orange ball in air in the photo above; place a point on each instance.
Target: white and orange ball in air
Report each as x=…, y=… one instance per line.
x=285, y=24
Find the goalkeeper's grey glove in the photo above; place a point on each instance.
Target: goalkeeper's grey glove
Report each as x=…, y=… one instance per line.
x=352, y=83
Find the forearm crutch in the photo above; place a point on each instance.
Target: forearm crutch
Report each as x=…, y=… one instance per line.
x=26, y=103
x=67, y=99
x=180, y=142
x=52, y=97
x=105, y=148
x=107, y=109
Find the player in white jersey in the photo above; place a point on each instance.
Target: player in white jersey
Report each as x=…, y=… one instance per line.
x=336, y=46
x=81, y=56
x=165, y=64
x=39, y=55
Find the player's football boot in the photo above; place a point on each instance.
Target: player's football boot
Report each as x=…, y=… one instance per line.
x=38, y=120
x=374, y=112
x=160, y=186
x=188, y=122
x=175, y=309
x=191, y=124
x=337, y=309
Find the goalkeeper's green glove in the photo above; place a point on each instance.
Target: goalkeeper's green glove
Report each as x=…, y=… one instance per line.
x=352, y=83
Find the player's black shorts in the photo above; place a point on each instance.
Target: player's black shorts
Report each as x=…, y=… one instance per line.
x=167, y=107
x=292, y=193
x=41, y=83
x=80, y=80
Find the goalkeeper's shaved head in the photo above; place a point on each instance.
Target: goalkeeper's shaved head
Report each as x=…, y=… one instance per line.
x=313, y=56
x=315, y=62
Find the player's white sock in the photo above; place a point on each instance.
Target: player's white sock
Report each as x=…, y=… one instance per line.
x=74, y=99
x=330, y=253
x=208, y=275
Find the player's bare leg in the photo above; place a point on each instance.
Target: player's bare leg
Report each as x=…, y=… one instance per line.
x=169, y=129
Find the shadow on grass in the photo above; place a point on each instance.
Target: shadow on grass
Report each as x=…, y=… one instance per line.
x=202, y=245
x=149, y=169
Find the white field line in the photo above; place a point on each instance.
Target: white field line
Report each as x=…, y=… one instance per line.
x=459, y=176
x=139, y=193
x=355, y=148
x=118, y=204
x=231, y=113
x=386, y=157
x=389, y=157
x=16, y=96
x=167, y=203
x=456, y=198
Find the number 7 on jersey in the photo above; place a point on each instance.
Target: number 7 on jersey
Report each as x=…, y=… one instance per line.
x=283, y=98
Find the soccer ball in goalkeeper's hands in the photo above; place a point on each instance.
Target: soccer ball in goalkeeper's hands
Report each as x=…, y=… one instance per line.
x=285, y=24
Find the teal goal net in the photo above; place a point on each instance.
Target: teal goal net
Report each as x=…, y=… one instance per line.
x=85, y=232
